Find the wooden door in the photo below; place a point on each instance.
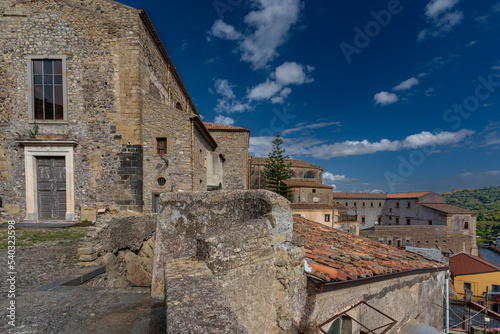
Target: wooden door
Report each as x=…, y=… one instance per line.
x=51, y=185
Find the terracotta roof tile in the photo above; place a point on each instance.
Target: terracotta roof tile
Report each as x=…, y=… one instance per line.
x=408, y=195
x=293, y=162
x=224, y=127
x=359, y=196
x=463, y=264
x=305, y=184
x=352, y=256
x=449, y=209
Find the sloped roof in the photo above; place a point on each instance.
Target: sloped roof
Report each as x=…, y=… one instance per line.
x=380, y=195
x=224, y=127
x=449, y=209
x=359, y=196
x=305, y=184
x=293, y=162
x=314, y=206
x=344, y=256
x=408, y=195
x=464, y=264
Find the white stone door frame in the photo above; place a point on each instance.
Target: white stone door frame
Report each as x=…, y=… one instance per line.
x=48, y=148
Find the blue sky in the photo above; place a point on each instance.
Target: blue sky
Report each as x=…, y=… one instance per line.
x=385, y=95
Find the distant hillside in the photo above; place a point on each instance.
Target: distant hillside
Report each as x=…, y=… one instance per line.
x=484, y=201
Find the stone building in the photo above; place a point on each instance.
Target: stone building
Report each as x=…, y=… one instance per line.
x=301, y=171
x=422, y=218
x=232, y=143
x=94, y=115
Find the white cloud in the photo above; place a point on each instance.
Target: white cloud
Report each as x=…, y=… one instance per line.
x=489, y=173
x=224, y=88
x=225, y=31
x=302, y=127
x=231, y=106
x=268, y=28
x=440, y=18
x=407, y=84
x=327, y=176
x=291, y=74
x=384, y=98
x=349, y=148
x=435, y=7
x=274, y=88
x=223, y=120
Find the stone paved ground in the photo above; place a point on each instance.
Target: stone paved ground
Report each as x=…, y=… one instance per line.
x=75, y=310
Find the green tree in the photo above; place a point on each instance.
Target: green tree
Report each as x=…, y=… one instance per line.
x=276, y=169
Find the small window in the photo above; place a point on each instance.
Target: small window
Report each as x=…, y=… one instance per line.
x=466, y=225
x=201, y=157
x=379, y=204
x=397, y=220
x=337, y=202
x=327, y=217
x=308, y=175
x=390, y=209
x=379, y=219
x=355, y=204
x=430, y=222
x=495, y=307
x=398, y=243
x=161, y=181
x=363, y=204
x=467, y=286
x=346, y=204
x=408, y=205
x=291, y=175
x=363, y=219
x=371, y=204
x=314, y=191
x=161, y=145
x=178, y=106
x=408, y=221
x=390, y=217
x=495, y=288
x=48, y=92
x=389, y=242
x=397, y=205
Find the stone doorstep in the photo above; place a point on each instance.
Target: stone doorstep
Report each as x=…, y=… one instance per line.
x=75, y=281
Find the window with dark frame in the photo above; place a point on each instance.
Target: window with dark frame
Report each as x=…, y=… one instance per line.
x=161, y=145
x=466, y=225
x=408, y=205
x=467, y=286
x=408, y=221
x=327, y=217
x=363, y=219
x=397, y=221
x=48, y=95
x=397, y=204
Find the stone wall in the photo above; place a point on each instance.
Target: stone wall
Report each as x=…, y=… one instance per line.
x=421, y=293
x=423, y=236
x=245, y=238
x=233, y=145
x=125, y=245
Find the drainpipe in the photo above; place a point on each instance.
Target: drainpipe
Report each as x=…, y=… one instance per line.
x=192, y=154
x=447, y=275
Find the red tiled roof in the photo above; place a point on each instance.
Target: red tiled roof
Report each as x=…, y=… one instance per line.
x=463, y=264
x=305, y=184
x=449, y=209
x=293, y=162
x=379, y=195
x=306, y=206
x=359, y=196
x=224, y=127
x=352, y=256
x=408, y=195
